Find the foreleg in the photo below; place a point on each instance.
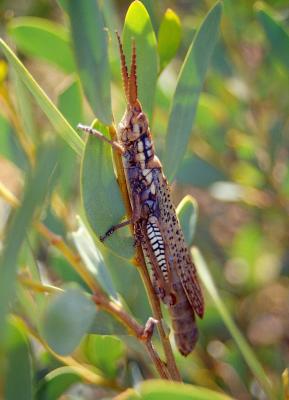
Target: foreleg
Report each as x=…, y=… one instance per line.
x=116, y=145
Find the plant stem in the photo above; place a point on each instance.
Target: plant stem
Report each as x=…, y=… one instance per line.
x=101, y=300
x=133, y=327
x=141, y=266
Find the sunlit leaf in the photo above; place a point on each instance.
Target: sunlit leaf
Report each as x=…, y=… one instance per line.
x=189, y=86
x=164, y=390
x=43, y=39
x=137, y=25
x=187, y=212
x=56, y=382
x=57, y=120
x=93, y=259
x=169, y=37
x=90, y=46
x=66, y=320
x=101, y=196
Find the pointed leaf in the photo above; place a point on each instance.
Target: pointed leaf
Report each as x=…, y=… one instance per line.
x=66, y=320
x=90, y=47
x=189, y=86
x=56, y=382
x=187, y=212
x=30, y=34
x=56, y=119
x=101, y=196
x=93, y=259
x=138, y=26
x=276, y=33
x=198, y=172
x=169, y=37
x=165, y=390
x=70, y=103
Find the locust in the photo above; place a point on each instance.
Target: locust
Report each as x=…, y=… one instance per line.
x=155, y=223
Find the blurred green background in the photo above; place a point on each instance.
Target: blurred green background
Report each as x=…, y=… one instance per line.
x=236, y=166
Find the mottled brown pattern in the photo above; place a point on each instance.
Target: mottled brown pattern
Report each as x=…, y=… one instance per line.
x=181, y=258
x=156, y=225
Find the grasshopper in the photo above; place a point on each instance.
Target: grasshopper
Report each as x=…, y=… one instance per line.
x=156, y=226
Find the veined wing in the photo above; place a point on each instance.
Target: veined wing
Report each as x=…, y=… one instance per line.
x=179, y=254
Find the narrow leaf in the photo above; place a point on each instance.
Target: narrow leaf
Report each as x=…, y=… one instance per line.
x=43, y=39
x=243, y=345
x=92, y=258
x=70, y=103
x=169, y=37
x=163, y=390
x=66, y=320
x=187, y=212
x=18, y=379
x=35, y=190
x=138, y=26
x=56, y=119
x=189, y=86
x=276, y=33
x=90, y=47
x=101, y=196
x=198, y=172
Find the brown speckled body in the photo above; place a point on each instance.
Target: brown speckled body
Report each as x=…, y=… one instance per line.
x=156, y=225
x=158, y=230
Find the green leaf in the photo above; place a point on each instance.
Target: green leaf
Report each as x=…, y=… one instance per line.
x=165, y=390
x=276, y=33
x=198, y=172
x=93, y=260
x=240, y=340
x=70, y=103
x=105, y=324
x=35, y=191
x=90, y=47
x=138, y=26
x=18, y=379
x=104, y=352
x=24, y=106
x=187, y=212
x=56, y=382
x=189, y=86
x=101, y=196
x=169, y=37
x=43, y=39
x=66, y=320
x=56, y=119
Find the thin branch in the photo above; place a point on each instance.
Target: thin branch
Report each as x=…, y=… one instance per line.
x=141, y=266
x=104, y=303
x=134, y=328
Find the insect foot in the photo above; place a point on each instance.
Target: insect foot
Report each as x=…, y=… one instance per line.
x=148, y=331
